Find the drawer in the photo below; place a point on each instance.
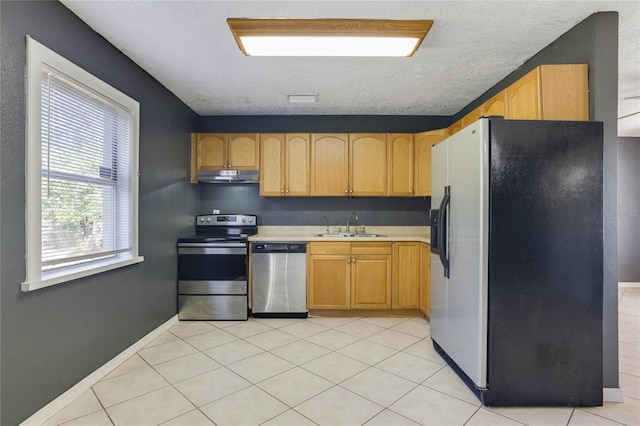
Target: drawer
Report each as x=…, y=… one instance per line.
x=381, y=247
x=212, y=308
x=330, y=247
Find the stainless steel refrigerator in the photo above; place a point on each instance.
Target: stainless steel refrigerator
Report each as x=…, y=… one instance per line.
x=516, y=262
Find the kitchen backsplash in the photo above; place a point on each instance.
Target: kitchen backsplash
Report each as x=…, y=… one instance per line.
x=305, y=211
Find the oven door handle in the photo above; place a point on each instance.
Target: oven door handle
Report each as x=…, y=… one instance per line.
x=212, y=245
x=222, y=249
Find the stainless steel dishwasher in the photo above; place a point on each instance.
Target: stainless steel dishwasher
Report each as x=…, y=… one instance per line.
x=279, y=279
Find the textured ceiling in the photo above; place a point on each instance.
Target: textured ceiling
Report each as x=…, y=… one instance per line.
x=187, y=46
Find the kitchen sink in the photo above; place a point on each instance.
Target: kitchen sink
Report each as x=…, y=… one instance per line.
x=349, y=235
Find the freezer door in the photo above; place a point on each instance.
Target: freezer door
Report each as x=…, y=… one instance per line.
x=439, y=179
x=468, y=244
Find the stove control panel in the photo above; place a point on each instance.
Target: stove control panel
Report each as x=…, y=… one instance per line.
x=226, y=220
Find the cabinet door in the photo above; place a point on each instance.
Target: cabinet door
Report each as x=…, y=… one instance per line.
x=496, y=105
x=329, y=164
x=243, y=151
x=297, y=180
x=564, y=90
x=272, y=164
x=329, y=279
x=472, y=117
x=401, y=152
x=523, y=97
x=368, y=164
x=370, y=281
x=455, y=127
x=425, y=278
x=406, y=275
x=423, y=143
x=211, y=151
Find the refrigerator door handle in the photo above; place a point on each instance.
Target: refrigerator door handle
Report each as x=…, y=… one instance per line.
x=443, y=230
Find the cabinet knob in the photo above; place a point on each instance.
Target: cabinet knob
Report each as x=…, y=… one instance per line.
x=348, y=260
x=351, y=191
x=346, y=191
x=282, y=191
x=353, y=259
x=286, y=191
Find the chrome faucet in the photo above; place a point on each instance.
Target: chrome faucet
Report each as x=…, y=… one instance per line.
x=326, y=223
x=348, y=217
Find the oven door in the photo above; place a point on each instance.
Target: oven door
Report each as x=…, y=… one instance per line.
x=210, y=262
x=212, y=281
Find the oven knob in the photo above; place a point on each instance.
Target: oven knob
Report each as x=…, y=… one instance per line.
x=208, y=219
x=244, y=219
x=202, y=219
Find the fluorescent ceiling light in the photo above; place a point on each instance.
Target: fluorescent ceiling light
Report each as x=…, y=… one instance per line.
x=328, y=37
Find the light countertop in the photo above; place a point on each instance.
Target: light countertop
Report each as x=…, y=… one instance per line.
x=306, y=233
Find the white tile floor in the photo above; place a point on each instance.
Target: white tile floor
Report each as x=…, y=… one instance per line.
x=325, y=371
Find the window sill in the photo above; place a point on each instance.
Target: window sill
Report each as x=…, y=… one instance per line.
x=59, y=277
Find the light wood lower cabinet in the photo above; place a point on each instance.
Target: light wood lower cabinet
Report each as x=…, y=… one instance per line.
x=371, y=275
x=363, y=275
x=349, y=275
x=425, y=278
x=406, y=275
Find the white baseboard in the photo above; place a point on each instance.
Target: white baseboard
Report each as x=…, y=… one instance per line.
x=612, y=395
x=60, y=402
x=629, y=285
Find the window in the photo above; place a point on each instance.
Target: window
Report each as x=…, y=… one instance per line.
x=82, y=172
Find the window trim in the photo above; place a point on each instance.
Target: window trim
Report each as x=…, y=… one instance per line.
x=39, y=56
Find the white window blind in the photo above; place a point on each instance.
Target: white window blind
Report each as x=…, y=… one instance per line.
x=86, y=174
x=82, y=172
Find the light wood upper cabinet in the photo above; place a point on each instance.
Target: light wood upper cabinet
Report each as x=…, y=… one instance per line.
x=550, y=92
x=472, y=117
x=297, y=159
x=422, y=145
x=406, y=275
x=329, y=164
x=368, y=164
x=455, y=127
x=217, y=151
x=565, y=92
x=284, y=164
x=496, y=105
x=271, y=164
x=243, y=151
x=425, y=278
x=211, y=151
x=401, y=164
x=523, y=97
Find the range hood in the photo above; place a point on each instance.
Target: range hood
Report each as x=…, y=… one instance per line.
x=228, y=176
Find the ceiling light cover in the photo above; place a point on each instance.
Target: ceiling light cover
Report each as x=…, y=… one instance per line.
x=328, y=37
x=302, y=99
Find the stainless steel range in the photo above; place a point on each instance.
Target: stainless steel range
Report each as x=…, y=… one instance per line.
x=212, y=268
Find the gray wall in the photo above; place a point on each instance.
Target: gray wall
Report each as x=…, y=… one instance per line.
x=53, y=337
x=594, y=41
x=298, y=211
x=628, y=212
x=322, y=123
